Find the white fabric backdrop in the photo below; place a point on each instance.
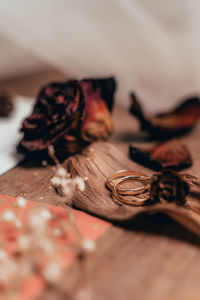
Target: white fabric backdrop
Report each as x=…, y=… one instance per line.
x=151, y=46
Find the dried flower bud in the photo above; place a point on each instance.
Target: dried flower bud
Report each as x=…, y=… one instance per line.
x=96, y=119
x=168, y=186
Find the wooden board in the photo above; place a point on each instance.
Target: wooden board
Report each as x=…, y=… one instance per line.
x=152, y=257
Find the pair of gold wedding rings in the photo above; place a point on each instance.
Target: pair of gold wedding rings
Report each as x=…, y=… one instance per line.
x=133, y=196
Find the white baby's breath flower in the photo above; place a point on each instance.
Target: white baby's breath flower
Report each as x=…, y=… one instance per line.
x=55, y=181
x=38, y=219
x=88, y=245
x=8, y=268
x=24, y=242
x=21, y=201
x=80, y=183
x=61, y=172
x=52, y=272
x=8, y=216
x=65, y=182
x=44, y=163
x=45, y=213
x=3, y=255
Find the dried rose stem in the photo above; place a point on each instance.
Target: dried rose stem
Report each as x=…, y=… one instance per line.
x=70, y=214
x=52, y=155
x=72, y=221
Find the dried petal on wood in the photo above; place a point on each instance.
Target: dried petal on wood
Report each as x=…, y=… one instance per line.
x=173, y=123
x=172, y=154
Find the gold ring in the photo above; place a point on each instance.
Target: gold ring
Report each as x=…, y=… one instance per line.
x=131, y=191
x=123, y=175
x=134, y=201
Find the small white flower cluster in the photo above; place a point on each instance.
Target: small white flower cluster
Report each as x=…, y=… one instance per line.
x=37, y=240
x=62, y=181
x=9, y=215
x=52, y=272
x=8, y=268
x=64, y=184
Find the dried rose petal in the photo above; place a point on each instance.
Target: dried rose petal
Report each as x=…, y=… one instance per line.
x=96, y=119
x=172, y=154
x=65, y=115
x=164, y=125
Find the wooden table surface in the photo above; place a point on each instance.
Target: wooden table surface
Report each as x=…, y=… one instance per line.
x=150, y=258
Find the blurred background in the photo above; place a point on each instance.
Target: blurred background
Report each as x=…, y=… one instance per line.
x=150, y=46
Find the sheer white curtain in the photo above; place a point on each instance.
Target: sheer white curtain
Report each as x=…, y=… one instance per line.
x=151, y=46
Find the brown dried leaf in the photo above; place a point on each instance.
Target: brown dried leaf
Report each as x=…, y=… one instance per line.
x=99, y=161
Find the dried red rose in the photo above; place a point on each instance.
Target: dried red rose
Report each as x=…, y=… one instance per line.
x=164, y=125
x=172, y=154
x=168, y=186
x=69, y=115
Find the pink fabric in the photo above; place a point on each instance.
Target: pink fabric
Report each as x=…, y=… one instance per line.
x=90, y=227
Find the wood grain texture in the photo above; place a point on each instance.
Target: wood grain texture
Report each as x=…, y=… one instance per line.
x=97, y=163
x=151, y=257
